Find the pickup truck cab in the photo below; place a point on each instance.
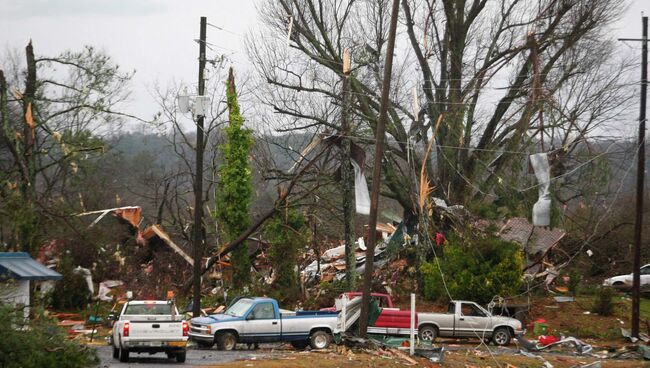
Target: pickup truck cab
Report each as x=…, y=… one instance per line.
x=150, y=326
x=258, y=320
x=467, y=319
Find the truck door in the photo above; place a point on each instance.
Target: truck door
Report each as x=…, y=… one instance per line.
x=472, y=322
x=262, y=324
x=645, y=275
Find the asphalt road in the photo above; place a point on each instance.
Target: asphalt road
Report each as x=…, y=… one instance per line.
x=195, y=358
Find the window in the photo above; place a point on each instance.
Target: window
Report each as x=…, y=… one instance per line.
x=452, y=308
x=380, y=301
x=262, y=311
x=645, y=271
x=239, y=308
x=471, y=310
x=149, y=309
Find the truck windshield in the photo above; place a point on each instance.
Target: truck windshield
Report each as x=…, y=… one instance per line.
x=240, y=308
x=148, y=309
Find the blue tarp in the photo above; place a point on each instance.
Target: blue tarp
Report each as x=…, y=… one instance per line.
x=19, y=265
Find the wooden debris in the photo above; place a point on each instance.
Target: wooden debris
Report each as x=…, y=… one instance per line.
x=403, y=356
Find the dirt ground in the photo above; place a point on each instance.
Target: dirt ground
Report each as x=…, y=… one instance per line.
x=456, y=359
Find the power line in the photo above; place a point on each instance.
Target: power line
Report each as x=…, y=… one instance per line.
x=225, y=30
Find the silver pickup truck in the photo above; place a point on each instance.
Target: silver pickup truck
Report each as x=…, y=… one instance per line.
x=468, y=319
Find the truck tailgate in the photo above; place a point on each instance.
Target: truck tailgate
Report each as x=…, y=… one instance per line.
x=156, y=330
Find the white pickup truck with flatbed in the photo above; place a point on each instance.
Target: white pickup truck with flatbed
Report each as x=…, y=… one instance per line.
x=150, y=326
x=467, y=319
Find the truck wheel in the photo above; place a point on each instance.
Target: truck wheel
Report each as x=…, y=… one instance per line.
x=428, y=333
x=501, y=336
x=116, y=352
x=319, y=340
x=180, y=357
x=124, y=355
x=226, y=341
x=300, y=344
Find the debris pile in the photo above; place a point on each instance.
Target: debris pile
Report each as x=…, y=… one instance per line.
x=146, y=261
x=331, y=264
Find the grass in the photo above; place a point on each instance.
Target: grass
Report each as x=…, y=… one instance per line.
x=569, y=319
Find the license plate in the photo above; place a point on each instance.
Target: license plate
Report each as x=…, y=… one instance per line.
x=150, y=343
x=177, y=343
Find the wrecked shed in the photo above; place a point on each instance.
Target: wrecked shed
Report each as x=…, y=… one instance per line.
x=17, y=270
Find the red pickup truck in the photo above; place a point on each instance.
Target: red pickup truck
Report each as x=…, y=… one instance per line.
x=391, y=321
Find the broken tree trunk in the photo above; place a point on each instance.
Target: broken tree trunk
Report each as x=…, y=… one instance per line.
x=347, y=180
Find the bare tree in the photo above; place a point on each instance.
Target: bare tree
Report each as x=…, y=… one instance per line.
x=177, y=128
x=508, y=77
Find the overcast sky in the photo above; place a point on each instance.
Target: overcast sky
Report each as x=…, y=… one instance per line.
x=156, y=37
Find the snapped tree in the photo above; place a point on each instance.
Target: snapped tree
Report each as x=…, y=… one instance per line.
x=52, y=110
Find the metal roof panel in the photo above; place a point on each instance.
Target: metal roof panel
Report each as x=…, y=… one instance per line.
x=21, y=266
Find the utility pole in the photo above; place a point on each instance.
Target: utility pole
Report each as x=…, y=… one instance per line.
x=347, y=179
x=640, y=181
x=376, y=173
x=198, y=184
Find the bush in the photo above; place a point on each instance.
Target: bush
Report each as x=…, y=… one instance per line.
x=475, y=268
x=72, y=291
x=39, y=343
x=575, y=278
x=604, y=303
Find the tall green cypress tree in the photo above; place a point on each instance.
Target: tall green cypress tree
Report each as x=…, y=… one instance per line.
x=235, y=188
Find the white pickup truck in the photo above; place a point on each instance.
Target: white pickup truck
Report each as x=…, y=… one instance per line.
x=467, y=319
x=150, y=326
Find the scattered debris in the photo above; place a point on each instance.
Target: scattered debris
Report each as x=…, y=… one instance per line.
x=70, y=324
x=627, y=334
x=403, y=356
x=105, y=288
x=132, y=214
x=564, y=299
x=435, y=355
x=547, y=364
x=332, y=261
x=157, y=231
x=547, y=339
x=580, y=346
x=644, y=351
x=596, y=364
